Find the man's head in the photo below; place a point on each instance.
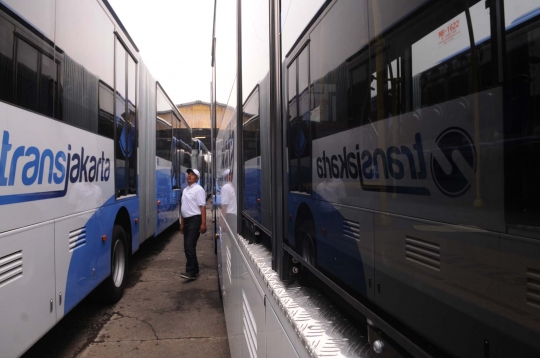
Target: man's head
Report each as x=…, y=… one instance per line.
x=193, y=176
x=227, y=175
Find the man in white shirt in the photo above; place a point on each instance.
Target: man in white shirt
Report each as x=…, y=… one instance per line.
x=228, y=195
x=193, y=221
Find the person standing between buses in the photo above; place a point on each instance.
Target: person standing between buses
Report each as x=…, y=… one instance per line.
x=193, y=221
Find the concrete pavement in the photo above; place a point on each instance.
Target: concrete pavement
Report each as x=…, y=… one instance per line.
x=163, y=315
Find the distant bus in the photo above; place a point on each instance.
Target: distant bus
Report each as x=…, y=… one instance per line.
x=82, y=181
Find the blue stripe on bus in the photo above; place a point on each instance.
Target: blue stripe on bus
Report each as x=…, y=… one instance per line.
x=23, y=198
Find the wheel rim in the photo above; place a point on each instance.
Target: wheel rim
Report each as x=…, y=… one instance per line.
x=119, y=263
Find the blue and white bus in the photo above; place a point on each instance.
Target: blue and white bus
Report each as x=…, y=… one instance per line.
x=409, y=152
x=83, y=181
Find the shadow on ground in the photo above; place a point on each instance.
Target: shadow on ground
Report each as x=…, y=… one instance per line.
x=81, y=326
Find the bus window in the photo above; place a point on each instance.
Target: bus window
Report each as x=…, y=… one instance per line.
x=80, y=96
x=106, y=111
x=132, y=120
x=336, y=69
x=522, y=117
x=27, y=75
x=6, y=59
x=126, y=122
x=252, y=155
x=299, y=124
x=292, y=128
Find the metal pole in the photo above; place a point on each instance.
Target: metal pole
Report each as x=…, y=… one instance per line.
x=238, y=145
x=279, y=261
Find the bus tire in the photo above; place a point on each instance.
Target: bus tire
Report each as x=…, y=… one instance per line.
x=112, y=288
x=308, y=253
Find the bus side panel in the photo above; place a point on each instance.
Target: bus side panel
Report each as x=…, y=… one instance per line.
x=86, y=34
x=27, y=287
x=431, y=273
x=232, y=301
x=167, y=207
x=39, y=13
x=147, y=152
x=77, y=242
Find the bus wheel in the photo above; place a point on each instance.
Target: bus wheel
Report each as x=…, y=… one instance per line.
x=305, y=276
x=308, y=252
x=112, y=288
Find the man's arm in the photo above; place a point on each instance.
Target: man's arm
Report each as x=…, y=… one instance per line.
x=203, y=219
x=181, y=224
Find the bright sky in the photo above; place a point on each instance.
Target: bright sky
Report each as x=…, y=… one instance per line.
x=174, y=38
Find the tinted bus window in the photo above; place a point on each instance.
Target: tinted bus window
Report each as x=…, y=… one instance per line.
x=299, y=130
x=47, y=86
x=27, y=75
x=80, y=96
x=6, y=59
x=522, y=118
x=132, y=120
x=163, y=138
x=106, y=111
x=126, y=122
x=164, y=126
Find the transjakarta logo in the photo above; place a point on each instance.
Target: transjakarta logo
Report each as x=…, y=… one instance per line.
x=47, y=168
x=402, y=164
x=454, y=183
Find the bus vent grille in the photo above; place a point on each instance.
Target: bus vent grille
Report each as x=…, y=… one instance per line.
x=11, y=267
x=250, y=327
x=351, y=229
x=425, y=253
x=77, y=238
x=533, y=288
x=229, y=264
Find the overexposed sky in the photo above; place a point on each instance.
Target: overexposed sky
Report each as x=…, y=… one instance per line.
x=174, y=38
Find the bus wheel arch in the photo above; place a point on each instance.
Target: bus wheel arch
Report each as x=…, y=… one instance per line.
x=111, y=289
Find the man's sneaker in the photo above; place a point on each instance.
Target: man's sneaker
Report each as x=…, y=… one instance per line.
x=188, y=276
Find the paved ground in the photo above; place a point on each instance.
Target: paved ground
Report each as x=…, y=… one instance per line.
x=160, y=315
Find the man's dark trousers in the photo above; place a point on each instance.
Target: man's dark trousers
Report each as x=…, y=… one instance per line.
x=192, y=227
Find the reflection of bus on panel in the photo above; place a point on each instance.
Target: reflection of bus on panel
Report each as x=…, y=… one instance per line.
x=411, y=163
x=77, y=162
x=173, y=158
x=202, y=160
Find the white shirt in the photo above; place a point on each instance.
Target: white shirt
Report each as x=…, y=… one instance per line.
x=228, y=197
x=193, y=197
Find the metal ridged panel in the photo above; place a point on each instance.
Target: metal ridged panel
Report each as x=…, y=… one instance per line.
x=533, y=288
x=351, y=229
x=425, y=253
x=77, y=238
x=323, y=331
x=229, y=264
x=11, y=267
x=250, y=327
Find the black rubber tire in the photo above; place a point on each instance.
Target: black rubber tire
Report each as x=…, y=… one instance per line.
x=307, y=251
x=112, y=289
